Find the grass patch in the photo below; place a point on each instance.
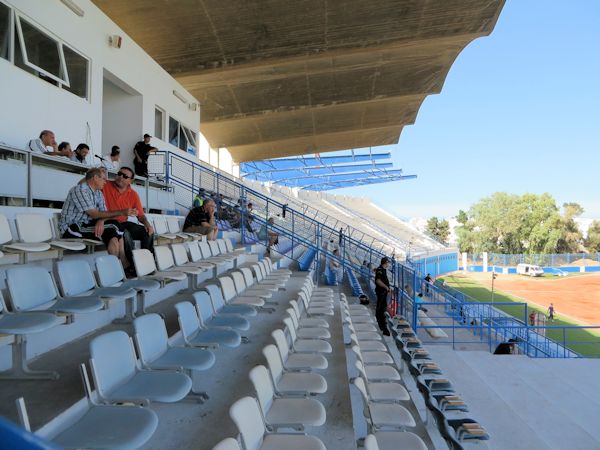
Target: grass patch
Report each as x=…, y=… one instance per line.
x=481, y=293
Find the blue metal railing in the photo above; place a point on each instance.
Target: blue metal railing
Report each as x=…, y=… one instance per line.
x=188, y=176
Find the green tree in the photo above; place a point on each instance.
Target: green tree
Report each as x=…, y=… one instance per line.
x=439, y=228
x=592, y=242
x=462, y=217
x=530, y=223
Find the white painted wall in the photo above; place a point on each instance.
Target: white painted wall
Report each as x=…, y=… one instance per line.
x=120, y=107
x=29, y=104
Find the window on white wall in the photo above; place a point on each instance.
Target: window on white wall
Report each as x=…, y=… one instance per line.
x=182, y=137
x=42, y=55
x=77, y=69
x=159, y=123
x=4, y=31
x=41, y=52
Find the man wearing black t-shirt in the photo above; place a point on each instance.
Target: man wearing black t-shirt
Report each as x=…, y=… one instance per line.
x=140, y=153
x=382, y=289
x=202, y=220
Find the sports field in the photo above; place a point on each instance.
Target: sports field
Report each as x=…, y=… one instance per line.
x=576, y=301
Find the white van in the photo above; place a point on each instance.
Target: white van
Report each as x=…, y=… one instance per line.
x=530, y=269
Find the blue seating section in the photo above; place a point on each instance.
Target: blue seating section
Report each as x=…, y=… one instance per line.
x=368, y=279
x=285, y=245
x=224, y=225
x=306, y=260
x=354, y=284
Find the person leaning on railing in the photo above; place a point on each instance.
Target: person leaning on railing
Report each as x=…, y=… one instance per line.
x=47, y=139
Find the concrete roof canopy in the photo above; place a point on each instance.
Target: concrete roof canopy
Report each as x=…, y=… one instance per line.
x=278, y=78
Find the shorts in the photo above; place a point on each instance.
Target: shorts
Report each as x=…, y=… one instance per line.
x=201, y=229
x=112, y=229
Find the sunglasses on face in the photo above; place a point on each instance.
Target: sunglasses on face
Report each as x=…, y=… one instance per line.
x=121, y=174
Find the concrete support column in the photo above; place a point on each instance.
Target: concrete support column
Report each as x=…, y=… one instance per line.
x=485, y=261
x=464, y=261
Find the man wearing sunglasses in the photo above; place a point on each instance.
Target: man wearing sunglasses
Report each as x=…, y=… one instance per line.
x=119, y=195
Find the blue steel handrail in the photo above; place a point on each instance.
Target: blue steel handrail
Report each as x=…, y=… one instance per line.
x=245, y=191
x=218, y=174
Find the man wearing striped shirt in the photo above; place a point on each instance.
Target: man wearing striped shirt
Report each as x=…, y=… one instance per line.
x=84, y=215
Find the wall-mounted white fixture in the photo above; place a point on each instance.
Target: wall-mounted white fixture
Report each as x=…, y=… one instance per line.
x=115, y=41
x=193, y=106
x=73, y=7
x=179, y=96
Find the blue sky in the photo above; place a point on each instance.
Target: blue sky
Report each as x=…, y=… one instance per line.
x=519, y=112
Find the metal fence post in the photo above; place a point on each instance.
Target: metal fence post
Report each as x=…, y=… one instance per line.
x=318, y=256
x=29, y=160
x=242, y=214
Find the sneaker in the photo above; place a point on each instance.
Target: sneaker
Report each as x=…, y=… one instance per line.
x=386, y=332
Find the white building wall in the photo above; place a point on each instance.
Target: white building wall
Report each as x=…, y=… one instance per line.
x=30, y=104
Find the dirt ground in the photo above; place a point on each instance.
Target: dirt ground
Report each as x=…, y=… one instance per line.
x=575, y=296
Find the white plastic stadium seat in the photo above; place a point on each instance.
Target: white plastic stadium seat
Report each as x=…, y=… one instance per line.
x=36, y=228
x=383, y=415
x=241, y=288
x=161, y=231
x=145, y=266
x=111, y=274
x=297, y=361
x=98, y=426
x=155, y=352
x=216, y=296
x=393, y=440
x=7, y=241
x=180, y=256
x=284, y=412
x=206, y=308
x=287, y=382
x=21, y=325
x=173, y=227
x=306, y=345
x=118, y=379
x=32, y=288
x=76, y=278
x=307, y=332
x=308, y=321
x=230, y=294
x=245, y=413
x=195, y=335
x=227, y=444
x=386, y=391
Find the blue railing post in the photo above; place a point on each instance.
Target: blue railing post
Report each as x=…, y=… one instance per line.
x=242, y=214
x=318, y=256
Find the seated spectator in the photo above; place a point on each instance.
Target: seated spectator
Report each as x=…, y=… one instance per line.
x=202, y=220
x=267, y=235
x=46, y=140
x=80, y=154
x=65, y=147
x=198, y=199
x=84, y=215
x=336, y=267
x=113, y=161
x=119, y=196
